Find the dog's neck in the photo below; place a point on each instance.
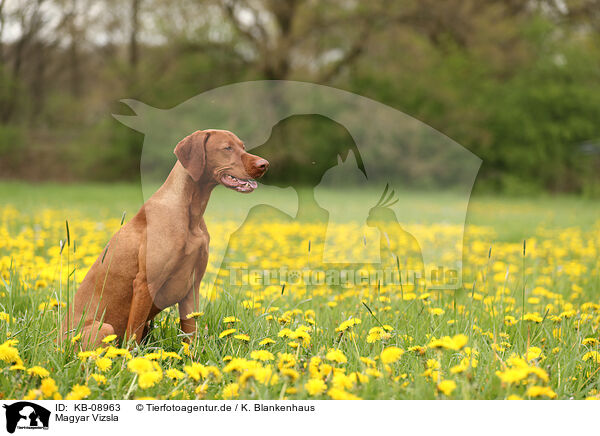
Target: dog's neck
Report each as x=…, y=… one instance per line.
x=183, y=191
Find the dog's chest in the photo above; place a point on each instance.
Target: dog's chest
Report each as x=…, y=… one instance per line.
x=188, y=269
x=196, y=242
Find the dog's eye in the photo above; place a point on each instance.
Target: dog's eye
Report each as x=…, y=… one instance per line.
x=228, y=148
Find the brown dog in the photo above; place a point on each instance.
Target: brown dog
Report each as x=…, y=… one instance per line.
x=159, y=257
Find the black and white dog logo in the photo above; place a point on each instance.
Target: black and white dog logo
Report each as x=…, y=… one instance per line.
x=26, y=415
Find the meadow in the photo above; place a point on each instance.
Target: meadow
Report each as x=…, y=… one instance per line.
x=523, y=325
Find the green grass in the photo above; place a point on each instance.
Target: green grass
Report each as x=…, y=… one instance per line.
x=511, y=219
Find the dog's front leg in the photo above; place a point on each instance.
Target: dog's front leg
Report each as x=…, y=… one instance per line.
x=141, y=304
x=191, y=302
x=188, y=305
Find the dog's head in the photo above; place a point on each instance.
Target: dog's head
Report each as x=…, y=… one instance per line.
x=218, y=156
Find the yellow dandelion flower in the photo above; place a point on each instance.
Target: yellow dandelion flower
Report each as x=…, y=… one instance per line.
x=112, y=352
x=455, y=343
x=373, y=372
x=78, y=392
x=292, y=374
x=284, y=333
x=540, y=391
x=594, y=355
x=533, y=353
x=464, y=365
x=227, y=332
x=266, y=341
x=418, y=349
x=286, y=360
x=150, y=378
x=103, y=363
x=391, y=354
x=262, y=355
x=345, y=325
x=174, y=374
x=342, y=381
x=534, y=317
x=48, y=387
x=315, y=386
x=99, y=378
x=336, y=355
x=377, y=334
x=447, y=387
x=32, y=394
x=39, y=371
x=589, y=341
x=232, y=390
x=8, y=352
x=140, y=365
x=83, y=355
x=196, y=371
x=513, y=375
x=340, y=394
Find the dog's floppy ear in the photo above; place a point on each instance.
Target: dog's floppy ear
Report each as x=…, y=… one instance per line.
x=191, y=152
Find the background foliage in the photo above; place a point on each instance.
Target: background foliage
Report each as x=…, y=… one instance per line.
x=516, y=82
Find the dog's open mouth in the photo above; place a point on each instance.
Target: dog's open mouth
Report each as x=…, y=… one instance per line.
x=240, y=185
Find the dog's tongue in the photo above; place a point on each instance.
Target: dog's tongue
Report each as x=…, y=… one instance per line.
x=247, y=185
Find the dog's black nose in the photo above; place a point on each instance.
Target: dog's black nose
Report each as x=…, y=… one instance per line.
x=262, y=165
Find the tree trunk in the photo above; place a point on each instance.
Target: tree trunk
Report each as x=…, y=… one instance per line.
x=133, y=40
x=74, y=61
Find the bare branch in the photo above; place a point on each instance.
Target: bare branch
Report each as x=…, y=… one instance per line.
x=229, y=7
x=355, y=50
